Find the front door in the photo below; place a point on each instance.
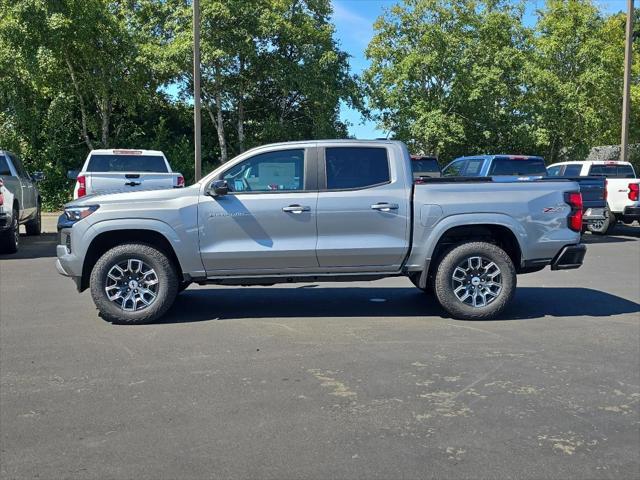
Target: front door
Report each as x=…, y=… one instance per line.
x=363, y=210
x=267, y=221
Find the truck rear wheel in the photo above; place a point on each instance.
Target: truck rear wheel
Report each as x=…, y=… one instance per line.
x=603, y=227
x=133, y=284
x=475, y=281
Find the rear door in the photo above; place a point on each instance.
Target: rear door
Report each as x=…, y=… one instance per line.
x=363, y=208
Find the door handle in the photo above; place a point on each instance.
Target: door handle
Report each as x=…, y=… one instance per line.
x=384, y=206
x=296, y=209
x=132, y=184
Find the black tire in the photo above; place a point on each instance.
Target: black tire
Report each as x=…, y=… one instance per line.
x=10, y=238
x=444, y=282
x=605, y=226
x=182, y=286
x=34, y=226
x=166, y=291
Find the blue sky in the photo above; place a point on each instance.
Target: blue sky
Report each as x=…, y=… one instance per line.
x=354, y=29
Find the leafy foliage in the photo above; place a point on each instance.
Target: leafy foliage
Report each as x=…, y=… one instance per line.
x=468, y=77
x=82, y=74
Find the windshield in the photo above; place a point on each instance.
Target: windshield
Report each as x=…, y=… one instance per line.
x=612, y=171
x=127, y=163
x=518, y=166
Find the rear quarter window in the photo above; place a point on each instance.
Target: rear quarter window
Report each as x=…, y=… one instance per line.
x=356, y=167
x=127, y=163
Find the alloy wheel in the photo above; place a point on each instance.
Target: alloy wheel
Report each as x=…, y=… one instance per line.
x=476, y=281
x=132, y=285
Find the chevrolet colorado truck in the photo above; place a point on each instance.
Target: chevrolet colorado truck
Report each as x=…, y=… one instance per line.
x=330, y=210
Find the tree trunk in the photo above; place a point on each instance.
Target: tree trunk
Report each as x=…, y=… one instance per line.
x=105, y=113
x=241, y=125
x=83, y=110
x=220, y=122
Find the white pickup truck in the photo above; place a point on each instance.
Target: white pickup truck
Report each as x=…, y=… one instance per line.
x=622, y=189
x=120, y=170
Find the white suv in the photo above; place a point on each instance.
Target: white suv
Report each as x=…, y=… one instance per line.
x=622, y=189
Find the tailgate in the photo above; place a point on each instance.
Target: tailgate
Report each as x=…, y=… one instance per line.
x=101, y=182
x=593, y=191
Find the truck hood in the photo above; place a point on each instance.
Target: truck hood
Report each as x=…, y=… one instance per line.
x=139, y=196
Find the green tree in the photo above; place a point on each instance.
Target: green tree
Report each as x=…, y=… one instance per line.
x=446, y=77
x=574, y=80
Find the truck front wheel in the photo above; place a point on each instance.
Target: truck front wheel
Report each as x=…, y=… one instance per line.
x=133, y=284
x=475, y=281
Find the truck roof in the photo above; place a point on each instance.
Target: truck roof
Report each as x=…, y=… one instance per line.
x=125, y=151
x=593, y=162
x=507, y=155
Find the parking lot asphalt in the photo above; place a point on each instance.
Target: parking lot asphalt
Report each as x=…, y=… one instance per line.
x=361, y=380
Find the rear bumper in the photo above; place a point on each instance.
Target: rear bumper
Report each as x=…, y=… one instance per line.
x=593, y=214
x=630, y=214
x=571, y=256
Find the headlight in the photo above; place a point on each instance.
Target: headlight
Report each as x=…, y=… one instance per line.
x=75, y=214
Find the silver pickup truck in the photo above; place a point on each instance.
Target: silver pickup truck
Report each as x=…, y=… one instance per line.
x=330, y=210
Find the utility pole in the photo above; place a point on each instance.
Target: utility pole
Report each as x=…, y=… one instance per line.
x=197, y=119
x=626, y=92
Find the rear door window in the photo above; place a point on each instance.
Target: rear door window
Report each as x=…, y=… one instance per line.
x=517, y=166
x=17, y=164
x=612, y=171
x=5, y=171
x=356, y=167
x=127, y=163
x=473, y=167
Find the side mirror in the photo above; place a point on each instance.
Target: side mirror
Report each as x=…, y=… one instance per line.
x=37, y=176
x=218, y=188
x=73, y=174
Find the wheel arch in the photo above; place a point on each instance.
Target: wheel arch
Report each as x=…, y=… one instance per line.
x=108, y=239
x=498, y=234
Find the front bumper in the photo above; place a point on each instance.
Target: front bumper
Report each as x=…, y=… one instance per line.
x=571, y=256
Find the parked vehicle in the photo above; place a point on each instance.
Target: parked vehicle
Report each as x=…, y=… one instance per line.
x=124, y=170
x=331, y=210
x=21, y=203
x=622, y=189
x=423, y=166
x=523, y=167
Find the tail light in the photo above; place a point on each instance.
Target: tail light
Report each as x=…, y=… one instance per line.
x=180, y=181
x=633, y=191
x=574, y=220
x=1, y=194
x=82, y=186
